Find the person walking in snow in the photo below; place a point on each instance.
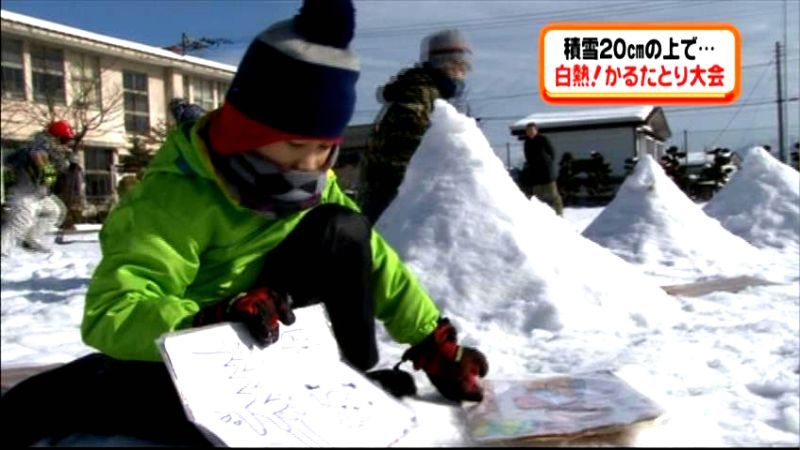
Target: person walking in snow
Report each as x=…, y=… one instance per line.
x=32, y=210
x=240, y=218
x=539, y=173
x=408, y=102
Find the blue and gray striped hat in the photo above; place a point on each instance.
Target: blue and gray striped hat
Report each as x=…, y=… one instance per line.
x=296, y=81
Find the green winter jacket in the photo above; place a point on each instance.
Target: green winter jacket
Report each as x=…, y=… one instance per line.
x=179, y=241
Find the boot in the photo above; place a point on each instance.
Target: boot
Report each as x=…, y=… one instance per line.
x=35, y=247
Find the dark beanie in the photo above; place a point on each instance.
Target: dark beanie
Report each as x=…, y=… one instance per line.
x=445, y=45
x=296, y=81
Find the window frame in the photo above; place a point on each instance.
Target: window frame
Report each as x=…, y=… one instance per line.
x=200, y=91
x=136, y=101
x=10, y=89
x=79, y=79
x=48, y=80
x=97, y=177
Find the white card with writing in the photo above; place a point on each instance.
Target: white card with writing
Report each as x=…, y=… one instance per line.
x=294, y=393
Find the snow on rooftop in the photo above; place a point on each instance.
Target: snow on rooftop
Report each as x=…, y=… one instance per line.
x=651, y=220
x=101, y=38
x=489, y=256
x=587, y=116
x=761, y=202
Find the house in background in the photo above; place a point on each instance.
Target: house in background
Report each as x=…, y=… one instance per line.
x=123, y=86
x=615, y=133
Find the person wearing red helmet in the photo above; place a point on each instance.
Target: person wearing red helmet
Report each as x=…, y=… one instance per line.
x=31, y=207
x=61, y=130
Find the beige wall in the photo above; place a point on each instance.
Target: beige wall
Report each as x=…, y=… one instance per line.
x=164, y=83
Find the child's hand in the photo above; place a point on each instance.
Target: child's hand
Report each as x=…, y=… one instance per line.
x=452, y=368
x=259, y=309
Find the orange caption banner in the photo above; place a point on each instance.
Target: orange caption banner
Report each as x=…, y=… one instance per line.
x=633, y=97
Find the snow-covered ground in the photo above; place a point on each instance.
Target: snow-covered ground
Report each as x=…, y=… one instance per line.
x=539, y=297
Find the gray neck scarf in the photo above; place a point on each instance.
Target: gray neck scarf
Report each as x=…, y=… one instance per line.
x=265, y=187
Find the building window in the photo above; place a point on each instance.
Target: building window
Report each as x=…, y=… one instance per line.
x=186, y=89
x=222, y=89
x=13, y=72
x=137, y=104
x=85, y=81
x=47, y=70
x=202, y=93
x=97, y=172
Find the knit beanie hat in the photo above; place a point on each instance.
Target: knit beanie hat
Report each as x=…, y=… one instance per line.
x=445, y=46
x=296, y=81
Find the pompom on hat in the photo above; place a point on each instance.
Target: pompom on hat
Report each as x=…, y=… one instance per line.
x=296, y=81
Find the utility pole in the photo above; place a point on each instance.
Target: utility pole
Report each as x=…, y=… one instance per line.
x=685, y=141
x=784, y=86
x=184, y=43
x=781, y=148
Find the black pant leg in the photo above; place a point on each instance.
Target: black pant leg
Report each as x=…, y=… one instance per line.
x=328, y=258
x=97, y=394
x=382, y=182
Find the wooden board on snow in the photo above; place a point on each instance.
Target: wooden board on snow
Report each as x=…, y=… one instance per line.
x=734, y=284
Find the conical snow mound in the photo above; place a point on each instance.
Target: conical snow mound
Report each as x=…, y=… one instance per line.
x=651, y=222
x=761, y=202
x=488, y=255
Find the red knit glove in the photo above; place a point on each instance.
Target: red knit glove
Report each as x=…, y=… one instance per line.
x=259, y=309
x=453, y=369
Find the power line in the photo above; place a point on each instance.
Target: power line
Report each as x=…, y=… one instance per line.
x=471, y=22
x=701, y=108
x=736, y=113
x=501, y=21
x=687, y=109
x=738, y=129
x=534, y=92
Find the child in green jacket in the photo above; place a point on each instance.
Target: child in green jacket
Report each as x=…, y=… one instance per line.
x=239, y=218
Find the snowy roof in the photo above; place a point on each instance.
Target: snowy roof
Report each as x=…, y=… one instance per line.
x=112, y=41
x=586, y=117
x=651, y=116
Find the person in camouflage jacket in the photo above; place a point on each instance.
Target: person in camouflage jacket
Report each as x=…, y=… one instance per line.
x=408, y=102
x=31, y=208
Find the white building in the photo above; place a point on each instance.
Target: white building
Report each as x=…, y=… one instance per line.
x=56, y=70
x=615, y=133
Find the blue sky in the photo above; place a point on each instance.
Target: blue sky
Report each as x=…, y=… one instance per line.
x=504, y=34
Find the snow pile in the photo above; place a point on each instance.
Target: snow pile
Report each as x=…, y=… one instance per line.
x=489, y=256
x=652, y=223
x=761, y=203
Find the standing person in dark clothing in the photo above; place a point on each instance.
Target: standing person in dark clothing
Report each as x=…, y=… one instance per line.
x=69, y=188
x=539, y=175
x=408, y=103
